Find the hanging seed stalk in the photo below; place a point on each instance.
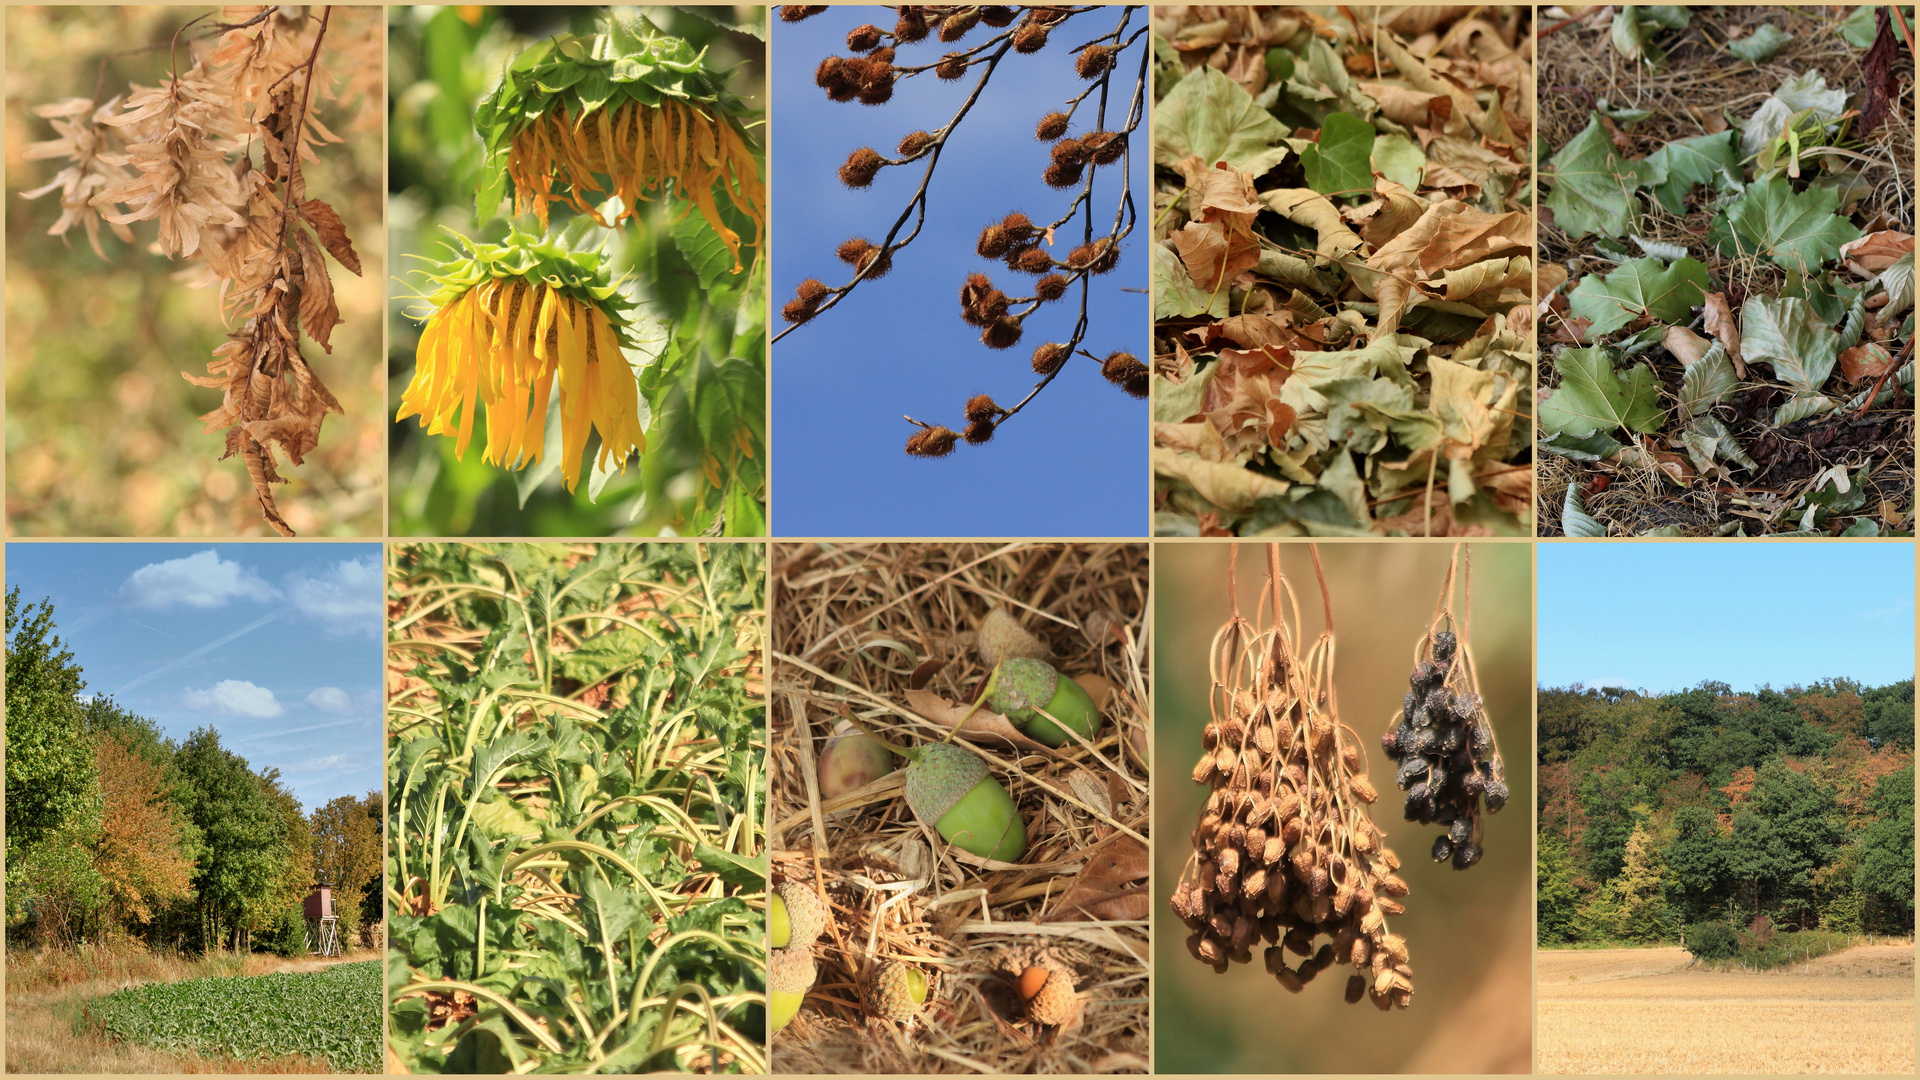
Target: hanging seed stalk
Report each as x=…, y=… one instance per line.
x=1286, y=850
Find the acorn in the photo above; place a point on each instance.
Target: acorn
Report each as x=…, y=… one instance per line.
x=1049, y=994
x=851, y=760
x=949, y=789
x=795, y=916
x=789, y=977
x=898, y=991
x=1024, y=683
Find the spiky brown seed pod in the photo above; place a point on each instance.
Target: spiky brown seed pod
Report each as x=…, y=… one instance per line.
x=898, y=991
x=981, y=407
x=951, y=66
x=1019, y=227
x=912, y=25
x=994, y=242
x=1058, y=175
x=1106, y=147
x=1093, y=61
x=935, y=441
x=1051, y=126
x=1125, y=371
x=877, y=87
x=1030, y=38
x=811, y=290
x=1069, y=152
x=853, y=249
x=796, y=12
x=957, y=23
x=1003, y=334
x=798, y=311
x=1083, y=256
x=1034, y=261
x=1048, y=358
x=864, y=38
x=1049, y=994
x=979, y=433
x=861, y=166
x=914, y=142
x=883, y=55
x=1051, y=287
x=997, y=15
x=830, y=72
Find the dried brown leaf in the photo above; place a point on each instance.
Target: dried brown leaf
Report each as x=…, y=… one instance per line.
x=333, y=232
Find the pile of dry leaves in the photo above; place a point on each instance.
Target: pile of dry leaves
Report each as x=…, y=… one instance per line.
x=1342, y=271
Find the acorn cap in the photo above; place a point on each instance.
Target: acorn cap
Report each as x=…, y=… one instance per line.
x=899, y=990
x=790, y=971
x=939, y=777
x=1055, y=1002
x=807, y=917
x=1001, y=637
x=1024, y=683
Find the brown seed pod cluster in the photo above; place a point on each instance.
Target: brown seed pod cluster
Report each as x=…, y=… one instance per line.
x=861, y=166
x=806, y=301
x=1286, y=849
x=935, y=441
x=1449, y=762
x=1048, y=357
x=1125, y=371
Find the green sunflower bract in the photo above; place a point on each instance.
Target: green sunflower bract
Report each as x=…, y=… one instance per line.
x=635, y=108
x=508, y=320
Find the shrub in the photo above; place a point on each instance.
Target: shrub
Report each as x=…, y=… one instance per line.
x=1711, y=941
x=288, y=937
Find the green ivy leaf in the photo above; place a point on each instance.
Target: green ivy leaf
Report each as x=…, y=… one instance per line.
x=1592, y=397
x=1341, y=162
x=1592, y=187
x=1785, y=332
x=1794, y=229
x=1640, y=287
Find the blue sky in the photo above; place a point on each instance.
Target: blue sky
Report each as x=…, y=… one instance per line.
x=1664, y=617
x=275, y=645
x=1074, y=462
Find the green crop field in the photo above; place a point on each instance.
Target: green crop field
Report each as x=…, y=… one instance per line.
x=332, y=1014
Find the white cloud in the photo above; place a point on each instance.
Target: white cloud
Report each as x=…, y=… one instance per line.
x=344, y=598
x=232, y=697
x=319, y=764
x=330, y=699
x=200, y=580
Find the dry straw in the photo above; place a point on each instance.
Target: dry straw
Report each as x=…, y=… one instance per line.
x=864, y=632
x=1286, y=849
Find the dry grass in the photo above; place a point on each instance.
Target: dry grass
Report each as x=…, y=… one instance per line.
x=47, y=990
x=1700, y=82
x=1637, y=1011
x=851, y=623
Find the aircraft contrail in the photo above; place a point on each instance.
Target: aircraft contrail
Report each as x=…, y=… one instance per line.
x=201, y=651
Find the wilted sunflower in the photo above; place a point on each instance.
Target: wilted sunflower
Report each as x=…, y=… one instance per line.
x=630, y=105
x=507, y=319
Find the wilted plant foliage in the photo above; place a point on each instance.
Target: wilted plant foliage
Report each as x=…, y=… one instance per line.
x=1730, y=295
x=576, y=756
x=1108, y=111
x=1286, y=849
x=215, y=156
x=1342, y=269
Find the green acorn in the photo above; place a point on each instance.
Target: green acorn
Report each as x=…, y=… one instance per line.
x=1023, y=683
x=949, y=789
x=899, y=990
x=789, y=977
x=795, y=916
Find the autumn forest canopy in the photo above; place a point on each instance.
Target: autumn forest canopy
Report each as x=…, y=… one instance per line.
x=116, y=832
x=1756, y=810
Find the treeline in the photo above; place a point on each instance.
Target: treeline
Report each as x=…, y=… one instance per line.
x=114, y=831
x=1790, y=808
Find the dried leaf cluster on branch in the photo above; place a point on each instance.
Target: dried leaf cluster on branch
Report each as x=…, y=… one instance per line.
x=1343, y=258
x=183, y=154
x=1023, y=245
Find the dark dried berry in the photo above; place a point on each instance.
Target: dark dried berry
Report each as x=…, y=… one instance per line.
x=1461, y=831
x=1465, y=855
x=1496, y=795
x=1444, y=644
x=1442, y=849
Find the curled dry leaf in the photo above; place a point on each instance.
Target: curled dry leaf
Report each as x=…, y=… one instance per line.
x=983, y=723
x=1105, y=890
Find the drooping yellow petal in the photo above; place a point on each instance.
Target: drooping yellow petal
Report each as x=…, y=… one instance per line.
x=575, y=394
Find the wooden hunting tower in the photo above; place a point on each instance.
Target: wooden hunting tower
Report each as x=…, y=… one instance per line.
x=323, y=926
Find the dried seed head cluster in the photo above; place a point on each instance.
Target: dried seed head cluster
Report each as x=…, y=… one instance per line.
x=1449, y=762
x=869, y=74
x=1286, y=849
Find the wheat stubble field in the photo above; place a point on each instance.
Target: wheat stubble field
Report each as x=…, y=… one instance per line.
x=1641, y=1011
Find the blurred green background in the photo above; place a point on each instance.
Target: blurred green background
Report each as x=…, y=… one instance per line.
x=702, y=364
x=103, y=435
x=1470, y=932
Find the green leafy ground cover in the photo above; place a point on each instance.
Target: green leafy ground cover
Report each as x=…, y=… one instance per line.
x=331, y=1015
x=1727, y=231
x=576, y=759
x=1341, y=272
